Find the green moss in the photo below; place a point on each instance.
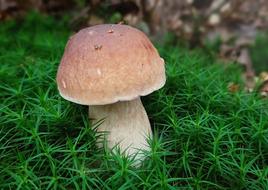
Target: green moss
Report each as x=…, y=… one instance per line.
x=204, y=136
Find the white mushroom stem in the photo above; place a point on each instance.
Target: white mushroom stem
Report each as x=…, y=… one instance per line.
x=126, y=123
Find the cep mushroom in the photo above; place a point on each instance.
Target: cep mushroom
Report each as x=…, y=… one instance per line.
x=108, y=67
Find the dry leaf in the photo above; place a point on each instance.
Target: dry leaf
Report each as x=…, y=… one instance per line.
x=131, y=19
x=264, y=89
x=214, y=19
x=232, y=87
x=263, y=76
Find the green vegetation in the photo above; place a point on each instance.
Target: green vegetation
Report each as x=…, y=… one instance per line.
x=259, y=53
x=205, y=137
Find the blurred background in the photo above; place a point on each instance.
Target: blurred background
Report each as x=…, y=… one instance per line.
x=233, y=30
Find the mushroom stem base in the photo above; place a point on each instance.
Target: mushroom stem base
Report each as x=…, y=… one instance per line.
x=126, y=123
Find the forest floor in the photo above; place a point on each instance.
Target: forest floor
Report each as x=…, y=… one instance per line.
x=206, y=136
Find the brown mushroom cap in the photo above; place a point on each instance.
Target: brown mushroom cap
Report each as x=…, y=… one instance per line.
x=107, y=63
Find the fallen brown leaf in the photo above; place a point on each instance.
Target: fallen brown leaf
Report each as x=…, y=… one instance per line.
x=264, y=89
x=232, y=87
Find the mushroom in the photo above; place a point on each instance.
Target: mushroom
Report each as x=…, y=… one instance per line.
x=109, y=71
